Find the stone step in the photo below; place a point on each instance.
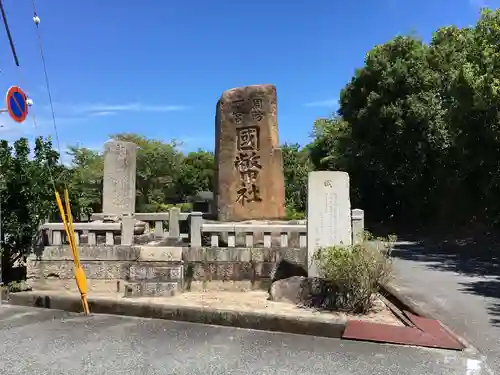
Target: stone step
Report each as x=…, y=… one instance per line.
x=152, y=289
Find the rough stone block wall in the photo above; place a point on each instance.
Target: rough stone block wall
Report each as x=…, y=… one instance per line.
x=158, y=271
x=131, y=270
x=238, y=263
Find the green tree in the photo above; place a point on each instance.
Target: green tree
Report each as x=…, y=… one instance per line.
x=473, y=97
x=158, y=167
x=86, y=176
x=296, y=167
x=398, y=128
x=196, y=174
x=418, y=128
x=27, y=196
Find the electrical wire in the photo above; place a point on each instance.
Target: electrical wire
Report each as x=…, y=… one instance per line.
x=36, y=20
x=66, y=215
x=20, y=70
x=9, y=35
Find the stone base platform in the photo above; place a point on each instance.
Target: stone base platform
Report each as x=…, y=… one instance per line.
x=158, y=271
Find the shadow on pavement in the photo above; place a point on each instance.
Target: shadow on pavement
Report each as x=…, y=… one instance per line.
x=478, y=260
x=472, y=259
x=486, y=288
x=495, y=312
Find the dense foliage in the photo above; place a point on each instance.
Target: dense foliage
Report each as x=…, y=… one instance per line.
x=27, y=196
x=418, y=130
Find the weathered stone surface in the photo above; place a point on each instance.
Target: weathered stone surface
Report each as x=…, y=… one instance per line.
x=160, y=254
x=88, y=252
x=151, y=289
x=119, y=178
x=222, y=271
x=65, y=269
x=139, y=227
x=242, y=254
x=103, y=264
x=286, y=268
x=289, y=290
x=328, y=213
x=310, y=292
x=155, y=272
x=249, y=183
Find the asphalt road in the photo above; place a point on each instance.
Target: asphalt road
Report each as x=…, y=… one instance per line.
x=462, y=290
x=39, y=341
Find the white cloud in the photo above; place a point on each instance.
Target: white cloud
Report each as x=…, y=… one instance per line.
x=33, y=126
x=331, y=103
x=66, y=159
x=100, y=109
x=103, y=113
x=11, y=130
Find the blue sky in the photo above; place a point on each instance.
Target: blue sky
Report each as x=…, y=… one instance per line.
x=158, y=67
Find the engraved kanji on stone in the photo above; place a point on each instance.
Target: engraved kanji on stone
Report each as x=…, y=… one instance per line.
x=248, y=193
x=256, y=112
x=237, y=111
x=121, y=155
x=238, y=117
x=248, y=139
x=257, y=104
x=248, y=166
x=119, y=186
x=247, y=160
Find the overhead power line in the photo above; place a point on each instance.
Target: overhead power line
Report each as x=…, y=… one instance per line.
x=9, y=35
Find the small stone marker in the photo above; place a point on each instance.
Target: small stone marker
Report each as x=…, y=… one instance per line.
x=249, y=183
x=328, y=213
x=119, y=178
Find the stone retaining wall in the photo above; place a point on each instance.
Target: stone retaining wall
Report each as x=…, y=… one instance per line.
x=158, y=271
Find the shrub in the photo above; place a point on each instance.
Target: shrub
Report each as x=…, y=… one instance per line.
x=293, y=214
x=184, y=207
x=352, y=274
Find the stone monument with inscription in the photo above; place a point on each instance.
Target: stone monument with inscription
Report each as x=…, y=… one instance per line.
x=119, y=178
x=249, y=181
x=328, y=213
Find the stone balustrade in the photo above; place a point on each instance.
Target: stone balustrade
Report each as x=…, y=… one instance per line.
x=268, y=232
x=161, y=224
x=93, y=232
x=168, y=224
x=250, y=232
x=243, y=254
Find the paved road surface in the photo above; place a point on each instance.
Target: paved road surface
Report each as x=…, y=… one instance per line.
x=36, y=341
x=462, y=290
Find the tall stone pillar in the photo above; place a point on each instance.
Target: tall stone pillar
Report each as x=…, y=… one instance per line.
x=249, y=181
x=119, y=178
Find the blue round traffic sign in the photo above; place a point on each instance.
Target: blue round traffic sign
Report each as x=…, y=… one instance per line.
x=17, y=105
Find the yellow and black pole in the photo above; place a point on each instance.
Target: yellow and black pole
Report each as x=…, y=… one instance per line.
x=67, y=218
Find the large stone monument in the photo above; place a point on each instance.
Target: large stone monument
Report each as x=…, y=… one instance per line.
x=328, y=213
x=119, y=178
x=249, y=182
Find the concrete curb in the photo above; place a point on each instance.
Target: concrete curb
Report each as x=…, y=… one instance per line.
x=314, y=326
x=228, y=318
x=404, y=302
